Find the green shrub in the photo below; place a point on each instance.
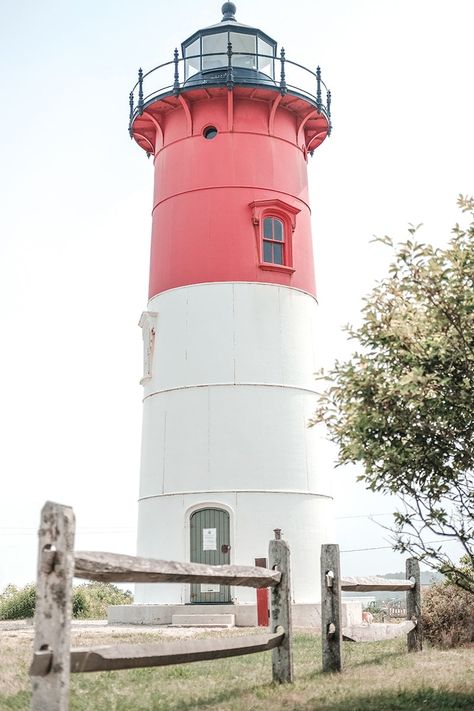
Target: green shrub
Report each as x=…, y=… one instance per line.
x=79, y=603
x=96, y=597
x=17, y=603
x=89, y=601
x=448, y=615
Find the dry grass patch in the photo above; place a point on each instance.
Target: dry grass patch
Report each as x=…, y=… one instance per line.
x=378, y=676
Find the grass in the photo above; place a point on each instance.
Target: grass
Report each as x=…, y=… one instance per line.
x=378, y=676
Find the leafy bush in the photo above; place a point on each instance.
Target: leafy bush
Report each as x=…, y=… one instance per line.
x=17, y=603
x=448, y=615
x=79, y=603
x=89, y=601
x=93, y=599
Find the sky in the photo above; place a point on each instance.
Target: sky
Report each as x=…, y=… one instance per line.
x=75, y=228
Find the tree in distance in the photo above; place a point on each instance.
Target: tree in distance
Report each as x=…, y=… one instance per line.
x=403, y=405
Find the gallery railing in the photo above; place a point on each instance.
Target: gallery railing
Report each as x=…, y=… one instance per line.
x=229, y=69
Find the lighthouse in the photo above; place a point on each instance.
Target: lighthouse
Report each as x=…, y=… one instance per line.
x=229, y=334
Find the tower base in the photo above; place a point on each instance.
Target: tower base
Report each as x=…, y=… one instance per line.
x=304, y=615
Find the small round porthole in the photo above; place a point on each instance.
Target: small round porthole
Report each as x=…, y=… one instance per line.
x=210, y=132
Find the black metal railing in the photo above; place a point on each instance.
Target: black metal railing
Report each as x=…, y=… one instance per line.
x=228, y=69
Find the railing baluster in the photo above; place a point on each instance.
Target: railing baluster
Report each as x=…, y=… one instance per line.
x=176, y=73
x=283, y=89
x=230, y=70
x=140, y=91
x=319, y=102
x=130, y=101
x=328, y=100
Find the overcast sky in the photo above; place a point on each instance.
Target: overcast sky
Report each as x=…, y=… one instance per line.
x=75, y=226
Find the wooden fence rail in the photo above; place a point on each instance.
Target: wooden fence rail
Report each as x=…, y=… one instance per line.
x=373, y=584
x=331, y=587
x=131, y=656
x=116, y=568
x=53, y=659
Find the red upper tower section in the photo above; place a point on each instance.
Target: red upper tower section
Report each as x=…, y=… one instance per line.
x=230, y=128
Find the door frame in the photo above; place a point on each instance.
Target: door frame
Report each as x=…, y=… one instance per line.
x=207, y=504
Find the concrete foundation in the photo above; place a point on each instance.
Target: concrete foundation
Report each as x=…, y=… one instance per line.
x=245, y=615
x=210, y=620
x=377, y=631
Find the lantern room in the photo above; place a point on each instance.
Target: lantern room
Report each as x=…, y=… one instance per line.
x=206, y=52
x=237, y=60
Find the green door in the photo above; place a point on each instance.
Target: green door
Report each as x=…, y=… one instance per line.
x=210, y=544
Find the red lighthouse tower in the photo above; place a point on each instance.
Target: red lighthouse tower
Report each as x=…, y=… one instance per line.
x=229, y=334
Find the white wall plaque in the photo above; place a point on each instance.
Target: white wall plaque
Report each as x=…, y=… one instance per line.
x=148, y=325
x=208, y=588
x=209, y=539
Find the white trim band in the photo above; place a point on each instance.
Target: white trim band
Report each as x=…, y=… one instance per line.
x=202, y=492
x=232, y=385
x=219, y=283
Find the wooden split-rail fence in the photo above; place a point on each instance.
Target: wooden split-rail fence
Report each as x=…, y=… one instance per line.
x=331, y=615
x=58, y=564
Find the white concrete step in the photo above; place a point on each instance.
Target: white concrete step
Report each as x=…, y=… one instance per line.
x=203, y=620
x=377, y=631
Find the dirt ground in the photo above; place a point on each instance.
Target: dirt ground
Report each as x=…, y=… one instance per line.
x=24, y=629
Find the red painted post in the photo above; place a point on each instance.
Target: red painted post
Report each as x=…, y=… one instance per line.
x=262, y=598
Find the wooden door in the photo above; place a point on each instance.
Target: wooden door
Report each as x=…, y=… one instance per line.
x=210, y=544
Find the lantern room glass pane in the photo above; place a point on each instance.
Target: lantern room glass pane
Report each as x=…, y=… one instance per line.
x=212, y=44
x=192, y=66
x=246, y=44
x=266, y=64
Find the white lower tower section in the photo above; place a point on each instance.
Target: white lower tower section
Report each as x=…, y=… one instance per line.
x=228, y=393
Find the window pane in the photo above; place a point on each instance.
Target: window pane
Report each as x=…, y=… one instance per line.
x=278, y=230
x=211, y=44
x=192, y=66
x=264, y=64
x=268, y=227
x=278, y=253
x=247, y=44
x=267, y=252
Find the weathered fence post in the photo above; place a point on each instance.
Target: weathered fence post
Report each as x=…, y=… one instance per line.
x=280, y=612
x=53, y=609
x=331, y=619
x=415, y=637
